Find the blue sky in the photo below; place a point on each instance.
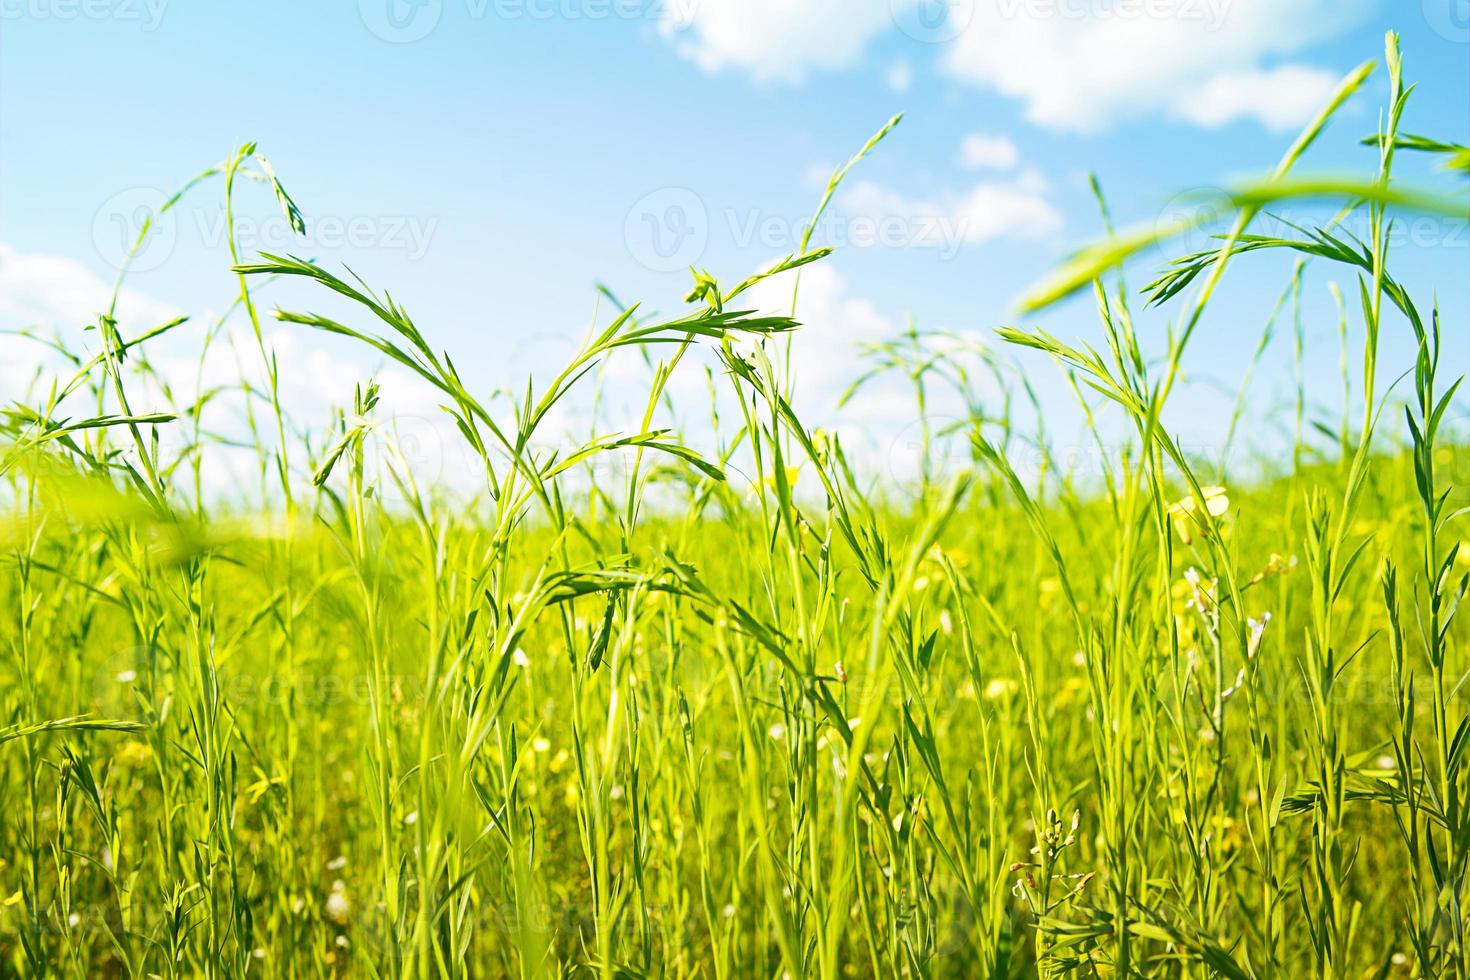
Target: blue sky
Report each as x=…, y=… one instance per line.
x=489, y=161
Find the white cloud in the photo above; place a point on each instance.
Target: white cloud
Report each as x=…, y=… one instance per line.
x=50, y=295
x=900, y=76
x=979, y=151
x=48, y=292
x=316, y=377
x=1280, y=98
x=824, y=303
x=773, y=40
x=833, y=323
x=1014, y=208
x=1080, y=65
x=879, y=426
x=1011, y=208
x=1077, y=65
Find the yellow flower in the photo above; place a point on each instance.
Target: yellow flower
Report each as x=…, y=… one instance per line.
x=1188, y=520
x=999, y=688
x=134, y=754
x=262, y=785
x=791, y=473
x=1277, y=565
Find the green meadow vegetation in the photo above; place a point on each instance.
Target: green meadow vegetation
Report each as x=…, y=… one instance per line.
x=663, y=720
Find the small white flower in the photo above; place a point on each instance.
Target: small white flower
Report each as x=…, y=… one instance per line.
x=777, y=731
x=127, y=676
x=519, y=658
x=1239, y=682
x=1257, y=633
x=540, y=745
x=1203, y=592
x=338, y=907
x=337, y=863
x=999, y=688
x=1187, y=517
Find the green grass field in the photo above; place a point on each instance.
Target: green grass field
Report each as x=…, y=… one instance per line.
x=1176, y=721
